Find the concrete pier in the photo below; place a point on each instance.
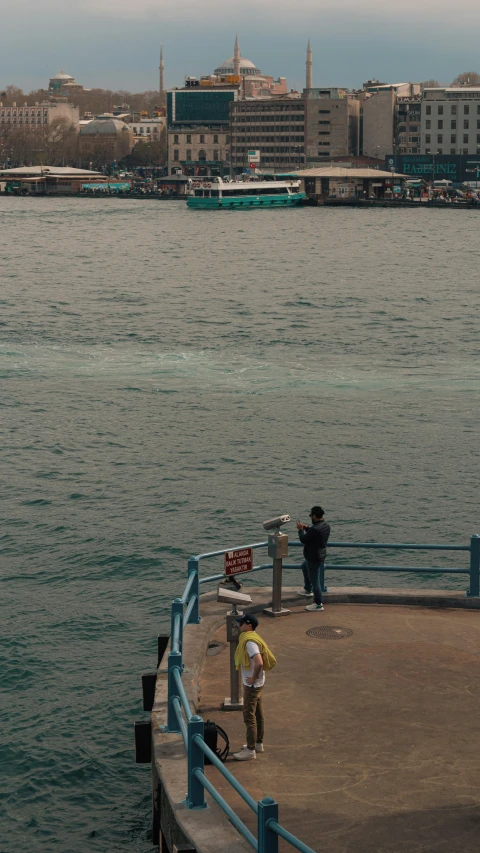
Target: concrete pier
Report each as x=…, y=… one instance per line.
x=372, y=725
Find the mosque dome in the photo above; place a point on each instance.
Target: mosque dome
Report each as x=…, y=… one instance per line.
x=62, y=76
x=104, y=125
x=247, y=68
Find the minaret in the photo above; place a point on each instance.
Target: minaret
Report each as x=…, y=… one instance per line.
x=308, y=66
x=236, y=58
x=161, y=69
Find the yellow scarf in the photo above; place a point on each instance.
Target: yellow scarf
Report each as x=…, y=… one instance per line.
x=241, y=654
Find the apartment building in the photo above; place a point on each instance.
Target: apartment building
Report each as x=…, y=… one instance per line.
x=38, y=114
x=272, y=126
x=332, y=124
x=390, y=119
x=450, y=121
x=198, y=150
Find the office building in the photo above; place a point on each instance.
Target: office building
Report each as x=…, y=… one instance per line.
x=450, y=121
x=274, y=127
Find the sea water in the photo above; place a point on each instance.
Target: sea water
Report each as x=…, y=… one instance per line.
x=169, y=379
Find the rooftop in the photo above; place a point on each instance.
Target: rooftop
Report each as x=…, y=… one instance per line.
x=35, y=171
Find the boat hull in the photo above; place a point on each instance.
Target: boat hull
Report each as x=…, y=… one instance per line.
x=247, y=201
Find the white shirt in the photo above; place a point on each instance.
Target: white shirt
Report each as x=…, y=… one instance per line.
x=252, y=650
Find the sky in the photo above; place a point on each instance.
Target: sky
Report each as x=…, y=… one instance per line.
x=114, y=44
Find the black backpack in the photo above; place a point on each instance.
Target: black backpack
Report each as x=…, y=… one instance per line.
x=211, y=732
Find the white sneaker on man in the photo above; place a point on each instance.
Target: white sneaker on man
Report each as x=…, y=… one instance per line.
x=258, y=747
x=314, y=606
x=245, y=754
x=304, y=592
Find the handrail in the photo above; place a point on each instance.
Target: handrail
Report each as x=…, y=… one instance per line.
x=238, y=824
x=185, y=610
x=284, y=833
x=226, y=774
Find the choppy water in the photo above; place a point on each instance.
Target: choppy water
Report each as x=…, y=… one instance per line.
x=169, y=379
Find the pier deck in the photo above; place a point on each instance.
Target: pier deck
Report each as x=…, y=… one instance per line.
x=371, y=740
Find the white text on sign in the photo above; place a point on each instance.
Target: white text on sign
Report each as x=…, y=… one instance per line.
x=239, y=561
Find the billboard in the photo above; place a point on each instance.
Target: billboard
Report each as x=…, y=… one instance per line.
x=436, y=167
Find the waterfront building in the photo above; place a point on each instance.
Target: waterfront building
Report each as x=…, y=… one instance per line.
x=37, y=115
x=198, y=150
x=390, y=118
x=450, y=121
x=105, y=139
x=332, y=124
x=273, y=127
x=42, y=180
x=337, y=181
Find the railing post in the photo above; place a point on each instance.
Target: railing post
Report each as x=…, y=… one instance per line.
x=474, y=590
x=196, y=761
x=322, y=578
x=174, y=662
x=194, y=566
x=177, y=608
x=267, y=839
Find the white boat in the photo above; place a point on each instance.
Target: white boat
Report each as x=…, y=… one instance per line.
x=218, y=193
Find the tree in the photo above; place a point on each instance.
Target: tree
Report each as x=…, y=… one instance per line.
x=468, y=78
x=59, y=139
x=430, y=84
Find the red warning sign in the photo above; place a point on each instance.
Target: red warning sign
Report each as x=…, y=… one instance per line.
x=239, y=561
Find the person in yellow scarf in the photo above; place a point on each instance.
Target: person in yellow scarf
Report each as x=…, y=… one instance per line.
x=253, y=657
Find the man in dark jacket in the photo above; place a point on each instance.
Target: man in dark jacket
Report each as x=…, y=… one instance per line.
x=314, y=539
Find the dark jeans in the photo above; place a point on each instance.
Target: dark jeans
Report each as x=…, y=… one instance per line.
x=311, y=578
x=253, y=715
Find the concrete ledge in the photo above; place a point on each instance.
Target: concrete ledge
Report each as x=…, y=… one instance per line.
x=208, y=830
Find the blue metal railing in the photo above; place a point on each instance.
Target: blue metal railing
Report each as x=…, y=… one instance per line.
x=180, y=719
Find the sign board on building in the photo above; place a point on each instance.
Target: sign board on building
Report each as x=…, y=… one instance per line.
x=239, y=561
x=433, y=167
x=253, y=157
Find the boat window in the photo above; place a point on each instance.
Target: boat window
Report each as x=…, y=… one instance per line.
x=198, y=193
x=214, y=193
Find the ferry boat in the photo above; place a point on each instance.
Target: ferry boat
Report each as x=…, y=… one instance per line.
x=216, y=193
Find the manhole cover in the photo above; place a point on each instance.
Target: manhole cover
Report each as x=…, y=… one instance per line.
x=329, y=632
x=215, y=648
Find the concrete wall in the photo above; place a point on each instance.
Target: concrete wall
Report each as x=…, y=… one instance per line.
x=378, y=124
x=331, y=126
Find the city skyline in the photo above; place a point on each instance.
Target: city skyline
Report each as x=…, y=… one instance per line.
x=412, y=42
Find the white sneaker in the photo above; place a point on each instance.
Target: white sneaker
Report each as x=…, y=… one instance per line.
x=245, y=754
x=304, y=592
x=314, y=606
x=258, y=747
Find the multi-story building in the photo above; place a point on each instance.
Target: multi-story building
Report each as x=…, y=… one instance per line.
x=197, y=128
x=332, y=124
x=148, y=129
x=390, y=118
x=450, y=121
x=198, y=150
x=38, y=115
x=407, y=124
x=272, y=126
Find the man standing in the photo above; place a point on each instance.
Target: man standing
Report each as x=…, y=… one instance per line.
x=314, y=540
x=253, y=657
